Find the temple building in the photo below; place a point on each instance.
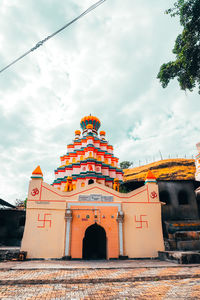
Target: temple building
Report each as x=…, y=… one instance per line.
x=83, y=214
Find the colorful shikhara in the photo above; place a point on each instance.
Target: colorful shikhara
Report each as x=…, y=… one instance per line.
x=89, y=160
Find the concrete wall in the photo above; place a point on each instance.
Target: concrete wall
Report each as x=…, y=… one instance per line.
x=142, y=223
x=174, y=210
x=182, y=200
x=11, y=227
x=142, y=230
x=44, y=234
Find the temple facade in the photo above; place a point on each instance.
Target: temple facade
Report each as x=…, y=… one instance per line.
x=83, y=214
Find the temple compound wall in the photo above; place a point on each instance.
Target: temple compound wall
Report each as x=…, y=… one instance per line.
x=56, y=222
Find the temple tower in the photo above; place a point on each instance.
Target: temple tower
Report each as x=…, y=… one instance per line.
x=89, y=159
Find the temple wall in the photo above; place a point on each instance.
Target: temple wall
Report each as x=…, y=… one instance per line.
x=142, y=223
x=45, y=232
x=142, y=230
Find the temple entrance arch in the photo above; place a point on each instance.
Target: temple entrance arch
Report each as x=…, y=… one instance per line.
x=94, y=243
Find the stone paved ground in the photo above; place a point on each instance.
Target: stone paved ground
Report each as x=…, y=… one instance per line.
x=143, y=279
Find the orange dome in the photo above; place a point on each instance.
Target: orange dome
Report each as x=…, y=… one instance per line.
x=90, y=120
x=102, y=132
x=77, y=132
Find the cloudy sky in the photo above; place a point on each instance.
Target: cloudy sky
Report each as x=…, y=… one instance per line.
x=105, y=64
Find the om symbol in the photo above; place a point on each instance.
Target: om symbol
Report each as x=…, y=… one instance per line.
x=35, y=192
x=154, y=195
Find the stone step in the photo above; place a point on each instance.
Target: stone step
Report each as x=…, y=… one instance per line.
x=186, y=235
x=9, y=253
x=190, y=245
x=175, y=226
x=181, y=257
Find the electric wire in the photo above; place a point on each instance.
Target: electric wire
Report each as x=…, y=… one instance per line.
x=40, y=43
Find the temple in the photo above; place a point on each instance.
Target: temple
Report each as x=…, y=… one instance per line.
x=83, y=214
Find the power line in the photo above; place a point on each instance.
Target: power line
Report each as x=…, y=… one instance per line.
x=40, y=43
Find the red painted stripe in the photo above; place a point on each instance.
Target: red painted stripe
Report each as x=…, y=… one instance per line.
x=139, y=202
x=124, y=197
x=40, y=190
x=148, y=192
x=32, y=200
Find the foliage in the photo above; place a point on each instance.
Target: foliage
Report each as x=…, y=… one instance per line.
x=25, y=203
x=126, y=164
x=186, y=67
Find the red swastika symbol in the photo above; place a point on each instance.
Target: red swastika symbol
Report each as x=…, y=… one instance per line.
x=154, y=195
x=35, y=192
x=44, y=221
x=140, y=222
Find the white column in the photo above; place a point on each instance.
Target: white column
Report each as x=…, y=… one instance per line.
x=121, y=251
x=67, y=238
x=120, y=219
x=68, y=217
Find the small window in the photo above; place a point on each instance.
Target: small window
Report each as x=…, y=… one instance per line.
x=183, y=198
x=165, y=197
x=90, y=181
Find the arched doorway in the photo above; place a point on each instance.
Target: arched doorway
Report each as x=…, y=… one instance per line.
x=94, y=243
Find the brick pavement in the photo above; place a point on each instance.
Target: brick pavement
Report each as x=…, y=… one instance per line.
x=74, y=264
x=99, y=280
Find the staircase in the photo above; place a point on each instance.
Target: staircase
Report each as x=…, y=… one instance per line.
x=183, y=242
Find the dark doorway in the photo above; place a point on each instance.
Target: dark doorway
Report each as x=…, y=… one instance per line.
x=90, y=181
x=94, y=243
